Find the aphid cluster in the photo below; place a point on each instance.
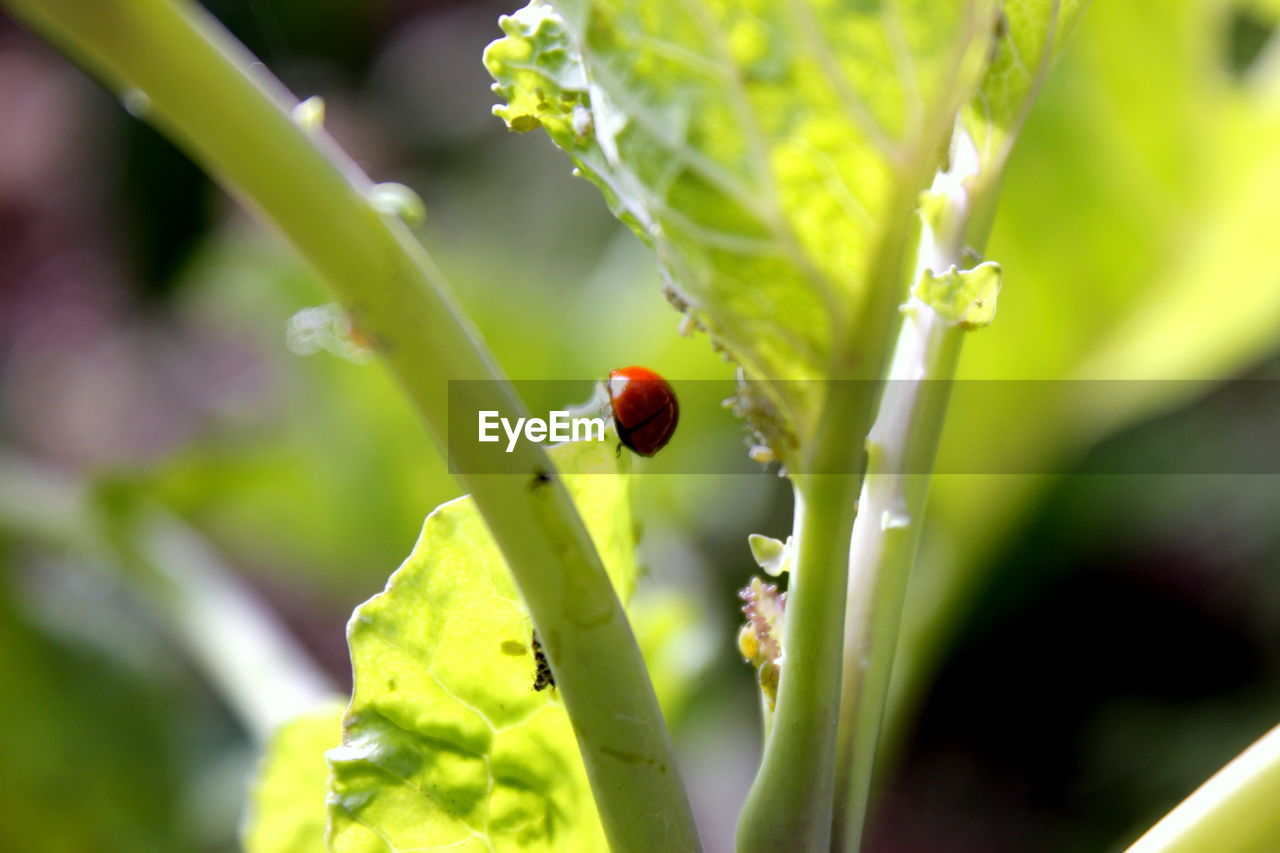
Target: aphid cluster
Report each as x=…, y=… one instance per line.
x=542, y=678
x=760, y=640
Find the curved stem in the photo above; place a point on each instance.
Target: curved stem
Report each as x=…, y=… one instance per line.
x=177, y=67
x=1234, y=812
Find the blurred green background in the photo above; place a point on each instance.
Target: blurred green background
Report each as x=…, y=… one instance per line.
x=1079, y=652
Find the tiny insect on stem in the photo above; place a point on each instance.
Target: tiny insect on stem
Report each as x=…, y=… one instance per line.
x=542, y=677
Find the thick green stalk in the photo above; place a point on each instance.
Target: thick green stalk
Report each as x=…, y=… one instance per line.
x=791, y=801
x=789, y=807
x=1234, y=812
x=900, y=453
x=175, y=66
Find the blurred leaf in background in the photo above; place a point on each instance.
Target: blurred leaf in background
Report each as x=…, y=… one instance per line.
x=1132, y=233
x=47, y=743
x=103, y=733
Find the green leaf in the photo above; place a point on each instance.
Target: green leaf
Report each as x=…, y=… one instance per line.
x=446, y=742
x=287, y=804
x=1028, y=36
x=771, y=555
x=769, y=152
x=966, y=298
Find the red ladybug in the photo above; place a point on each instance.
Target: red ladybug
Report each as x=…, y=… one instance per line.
x=644, y=405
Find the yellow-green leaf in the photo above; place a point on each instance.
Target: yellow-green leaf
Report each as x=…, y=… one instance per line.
x=447, y=743
x=769, y=152
x=287, y=805
x=966, y=298
x=1027, y=38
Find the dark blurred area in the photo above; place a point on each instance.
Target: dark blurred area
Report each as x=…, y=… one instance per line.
x=1127, y=645
x=1119, y=639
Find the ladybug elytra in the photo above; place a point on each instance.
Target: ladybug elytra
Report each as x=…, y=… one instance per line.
x=645, y=411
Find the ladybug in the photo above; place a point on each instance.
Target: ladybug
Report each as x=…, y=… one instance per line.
x=645, y=411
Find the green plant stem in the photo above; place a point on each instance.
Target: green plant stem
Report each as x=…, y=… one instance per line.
x=259, y=669
x=789, y=807
x=1233, y=812
x=175, y=66
x=884, y=544
x=790, y=803
x=901, y=447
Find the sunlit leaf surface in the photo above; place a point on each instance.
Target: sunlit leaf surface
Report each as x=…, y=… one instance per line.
x=769, y=152
x=447, y=743
x=1028, y=36
x=287, y=804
